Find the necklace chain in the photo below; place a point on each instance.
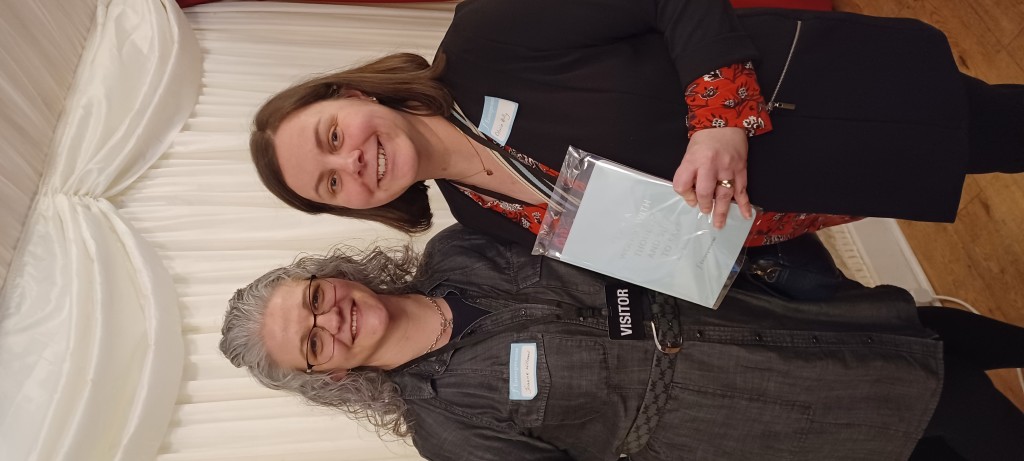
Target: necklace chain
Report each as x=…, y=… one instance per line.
x=483, y=168
x=446, y=323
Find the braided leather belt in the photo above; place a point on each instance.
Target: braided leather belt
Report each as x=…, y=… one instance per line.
x=667, y=334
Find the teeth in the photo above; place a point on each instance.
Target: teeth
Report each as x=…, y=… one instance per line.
x=355, y=321
x=382, y=161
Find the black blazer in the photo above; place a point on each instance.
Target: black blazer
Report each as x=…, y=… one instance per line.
x=879, y=127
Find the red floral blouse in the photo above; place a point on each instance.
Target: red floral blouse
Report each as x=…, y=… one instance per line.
x=727, y=97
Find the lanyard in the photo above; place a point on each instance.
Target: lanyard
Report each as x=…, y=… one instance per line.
x=530, y=175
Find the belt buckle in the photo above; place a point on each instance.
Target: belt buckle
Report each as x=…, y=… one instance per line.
x=667, y=348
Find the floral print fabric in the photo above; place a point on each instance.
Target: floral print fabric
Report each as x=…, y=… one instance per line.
x=770, y=227
x=728, y=97
x=528, y=216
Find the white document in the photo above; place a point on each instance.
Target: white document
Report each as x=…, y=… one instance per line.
x=635, y=227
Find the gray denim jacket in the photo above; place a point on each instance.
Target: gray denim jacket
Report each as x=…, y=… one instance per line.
x=760, y=378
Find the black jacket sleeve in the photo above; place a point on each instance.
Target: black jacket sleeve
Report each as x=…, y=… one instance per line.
x=701, y=35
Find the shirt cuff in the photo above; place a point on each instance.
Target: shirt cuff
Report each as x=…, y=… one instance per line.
x=727, y=97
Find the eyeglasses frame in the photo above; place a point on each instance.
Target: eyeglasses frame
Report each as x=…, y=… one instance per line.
x=309, y=337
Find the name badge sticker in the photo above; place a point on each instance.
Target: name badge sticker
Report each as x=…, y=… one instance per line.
x=497, y=118
x=627, y=310
x=522, y=371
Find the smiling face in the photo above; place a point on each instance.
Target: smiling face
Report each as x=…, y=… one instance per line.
x=354, y=323
x=349, y=152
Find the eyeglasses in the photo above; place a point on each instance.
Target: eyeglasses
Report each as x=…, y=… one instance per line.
x=319, y=342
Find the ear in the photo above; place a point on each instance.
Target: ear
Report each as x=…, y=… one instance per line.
x=339, y=375
x=356, y=94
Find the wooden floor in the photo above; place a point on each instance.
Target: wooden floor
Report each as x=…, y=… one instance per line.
x=980, y=258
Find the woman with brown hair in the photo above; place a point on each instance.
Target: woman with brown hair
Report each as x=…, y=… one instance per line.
x=868, y=117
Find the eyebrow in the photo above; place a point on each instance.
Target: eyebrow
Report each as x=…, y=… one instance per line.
x=317, y=128
x=317, y=184
x=316, y=135
x=302, y=345
x=305, y=336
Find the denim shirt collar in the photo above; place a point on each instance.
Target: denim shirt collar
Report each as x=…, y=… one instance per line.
x=415, y=382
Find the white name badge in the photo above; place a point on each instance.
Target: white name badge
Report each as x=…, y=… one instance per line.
x=497, y=118
x=522, y=371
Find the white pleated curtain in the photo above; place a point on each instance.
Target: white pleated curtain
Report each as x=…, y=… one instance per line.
x=91, y=342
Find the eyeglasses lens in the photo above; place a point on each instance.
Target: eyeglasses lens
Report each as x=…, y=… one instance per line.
x=319, y=343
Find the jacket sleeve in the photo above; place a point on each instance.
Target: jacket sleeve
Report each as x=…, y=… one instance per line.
x=701, y=35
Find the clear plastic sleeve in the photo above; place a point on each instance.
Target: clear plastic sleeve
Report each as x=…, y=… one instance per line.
x=627, y=224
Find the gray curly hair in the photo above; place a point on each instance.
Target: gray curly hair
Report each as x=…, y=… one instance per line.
x=364, y=393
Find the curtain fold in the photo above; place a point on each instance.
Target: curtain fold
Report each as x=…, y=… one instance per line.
x=42, y=43
x=90, y=334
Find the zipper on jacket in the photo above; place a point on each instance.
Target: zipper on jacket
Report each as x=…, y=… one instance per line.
x=785, y=105
x=781, y=105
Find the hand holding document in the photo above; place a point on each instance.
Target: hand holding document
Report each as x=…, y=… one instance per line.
x=626, y=224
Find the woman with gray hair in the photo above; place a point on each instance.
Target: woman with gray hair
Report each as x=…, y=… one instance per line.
x=483, y=351
x=365, y=393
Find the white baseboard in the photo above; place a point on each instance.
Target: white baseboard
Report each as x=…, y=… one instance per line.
x=874, y=252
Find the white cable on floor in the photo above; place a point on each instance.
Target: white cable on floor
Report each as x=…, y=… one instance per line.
x=957, y=301
x=1020, y=372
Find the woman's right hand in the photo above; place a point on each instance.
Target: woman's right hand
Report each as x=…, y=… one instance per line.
x=714, y=155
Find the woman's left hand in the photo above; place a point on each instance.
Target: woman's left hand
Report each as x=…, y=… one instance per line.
x=712, y=156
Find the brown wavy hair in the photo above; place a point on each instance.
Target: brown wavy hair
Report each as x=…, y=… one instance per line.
x=404, y=81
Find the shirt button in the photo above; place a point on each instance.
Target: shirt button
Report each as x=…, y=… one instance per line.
x=700, y=334
x=437, y=367
x=522, y=312
x=759, y=337
x=870, y=340
x=814, y=339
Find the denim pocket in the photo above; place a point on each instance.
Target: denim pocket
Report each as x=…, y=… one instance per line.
x=524, y=269
x=529, y=412
x=701, y=423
